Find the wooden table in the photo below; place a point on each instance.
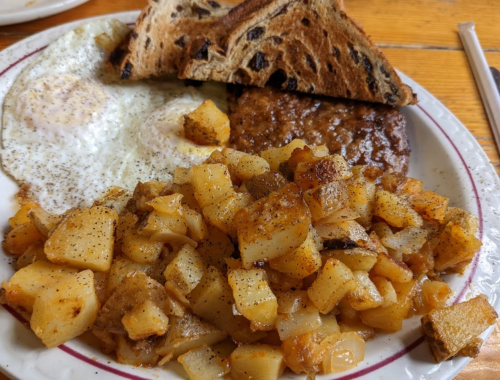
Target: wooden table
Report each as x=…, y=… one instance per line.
x=419, y=38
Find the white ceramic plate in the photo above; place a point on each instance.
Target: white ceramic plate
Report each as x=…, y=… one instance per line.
x=444, y=155
x=16, y=11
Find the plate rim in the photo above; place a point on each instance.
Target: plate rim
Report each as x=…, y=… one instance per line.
x=133, y=14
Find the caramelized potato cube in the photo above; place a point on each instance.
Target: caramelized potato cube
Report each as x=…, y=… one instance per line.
x=216, y=248
x=187, y=332
x=301, y=262
x=203, y=363
x=334, y=281
x=159, y=221
x=250, y=165
x=355, y=258
x=212, y=300
x=262, y=185
x=23, y=287
x=66, y=309
x=390, y=318
x=138, y=354
x=185, y=270
x=365, y=295
x=261, y=362
x=197, y=228
x=43, y=221
x=166, y=204
x=362, y=196
x=452, y=328
x=144, y=320
x=35, y=252
x=275, y=156
x=298, y=322
x=392, y=268
x=144, y=192
x=386, y=290
x=311, y=174
x=207, y=125
x=395, y=210
x=222, y=211
x=430, y=205
x=84, y=239
x=210, y=182
x=21, y=216
x=21, y=237
x=272, y=226
x=455, y=249
x=140, y=248
x=253, y=297
x=326, y=199
x=303, y=353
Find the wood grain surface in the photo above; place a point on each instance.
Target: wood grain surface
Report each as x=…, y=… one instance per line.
x=420, y=38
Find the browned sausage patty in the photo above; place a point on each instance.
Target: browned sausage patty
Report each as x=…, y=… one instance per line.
x=364, y=133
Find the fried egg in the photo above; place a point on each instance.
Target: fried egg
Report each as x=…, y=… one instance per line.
x=70, y=131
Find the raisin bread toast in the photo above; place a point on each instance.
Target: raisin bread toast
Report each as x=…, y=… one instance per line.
x=163, y=28
x=310, y=46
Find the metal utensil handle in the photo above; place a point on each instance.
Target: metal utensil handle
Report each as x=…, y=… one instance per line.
x=482, y=75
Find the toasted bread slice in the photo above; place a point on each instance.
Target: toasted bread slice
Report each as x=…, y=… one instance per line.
x=162, y=30
x=310, y=46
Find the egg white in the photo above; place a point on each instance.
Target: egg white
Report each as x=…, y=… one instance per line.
x=70, y=132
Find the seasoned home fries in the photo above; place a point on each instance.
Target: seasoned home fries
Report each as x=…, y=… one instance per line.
x=246, y=265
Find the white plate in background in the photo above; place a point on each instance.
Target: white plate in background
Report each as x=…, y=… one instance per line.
x=17, y=11
x=444, y=155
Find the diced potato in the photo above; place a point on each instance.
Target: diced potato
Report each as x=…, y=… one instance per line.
x=140, y=248
x=212, y=300
x=197, y=228
x=101, y=286
x=298, y=322
x=362, y=196
x=34, y=253
x=216, y=248
x=365, y=295
x=281, y=282
x=262, y=185
x=350, y=230
x=309, y=175
x=222, y=211
x=167, y=204
x=301, y=262
x=390, y=318
x=430, y=205
x=472, y=349
x=135, y=288
x=159, y=221
x=185, y=270
x=203, y=363
x=138, y=354
x=120, y=268
x=303, y=353
x=386, y=290
x=355, y=258
x=66, y=309
x=391, y=268
x=275, y=156
x=84, y=239
x=433, y=295
x=185, y=333
x=207, y=125
x=145, y=320
x=21, y=237
x=329, y=326
x=210, y=182
x=272, y=226
x=23, y=287
x=43, y=221
x=469, y=222
x=452, y=328
x=395, y=210
x=263, y=362
x=21, y=217
x=250, y=165
x=143, y=193
x=327, y=199
x=343, y=351
x=334, y=281
x=253, y=297
x=455, y=249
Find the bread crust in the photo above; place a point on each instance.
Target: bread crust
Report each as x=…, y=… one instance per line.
x=161, y=32
x=311, y=46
